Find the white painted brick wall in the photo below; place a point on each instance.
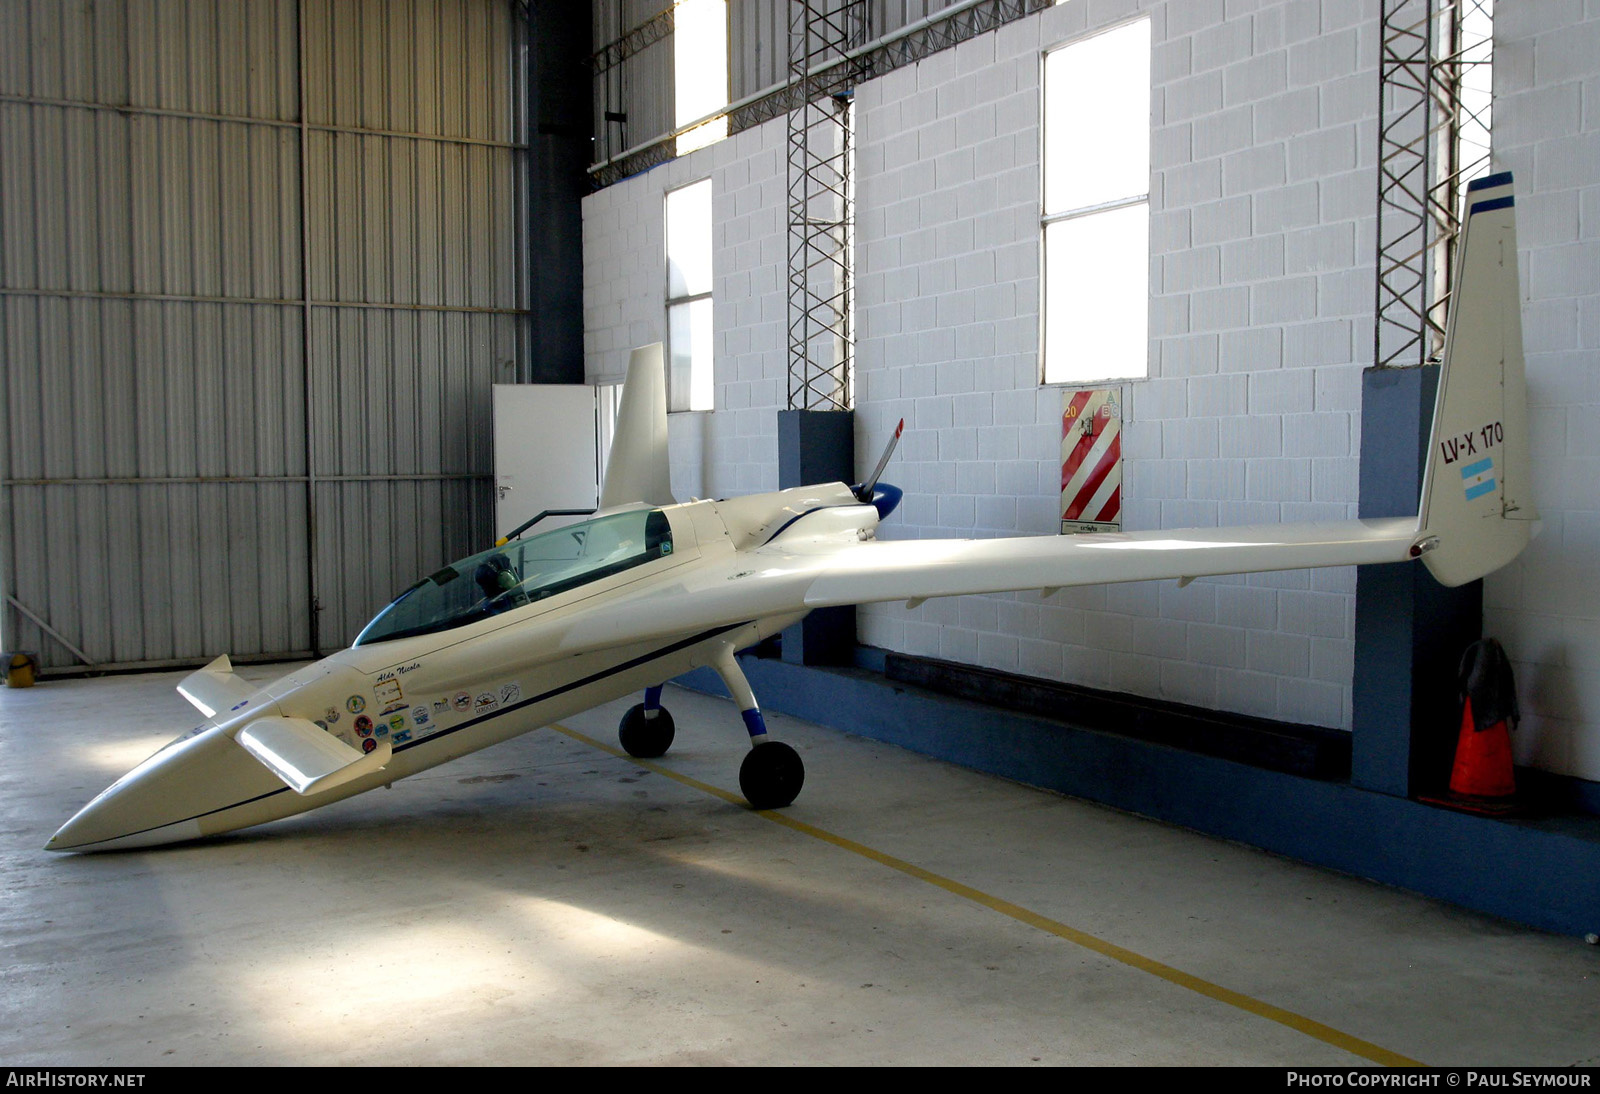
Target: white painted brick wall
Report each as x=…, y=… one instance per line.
x=1262, y=194
x=1252, y=409
x=733, y=450
x=1545, y=607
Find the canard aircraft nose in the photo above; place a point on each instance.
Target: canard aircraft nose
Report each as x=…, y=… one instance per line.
x=121, y=818
x=136, y=811
x=168, y=797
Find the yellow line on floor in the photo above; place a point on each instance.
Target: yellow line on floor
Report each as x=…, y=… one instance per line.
x=1298, y=1022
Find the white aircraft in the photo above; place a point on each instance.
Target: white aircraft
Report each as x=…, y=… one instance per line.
x=533, y=631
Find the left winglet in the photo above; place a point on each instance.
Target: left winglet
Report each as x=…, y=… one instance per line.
x=637, y=468
x=306, y=757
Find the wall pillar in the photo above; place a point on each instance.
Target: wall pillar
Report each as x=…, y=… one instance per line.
x=817, y=446
x=559, y=146
x=1410, y=630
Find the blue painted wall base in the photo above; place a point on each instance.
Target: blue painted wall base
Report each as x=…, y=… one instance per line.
x=1545, y=873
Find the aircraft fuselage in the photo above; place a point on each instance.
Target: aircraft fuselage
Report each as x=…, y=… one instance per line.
x=437, y=696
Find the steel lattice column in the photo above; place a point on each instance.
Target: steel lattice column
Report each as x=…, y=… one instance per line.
x=1410, y=631
x=820, y=201
x=1433, y=138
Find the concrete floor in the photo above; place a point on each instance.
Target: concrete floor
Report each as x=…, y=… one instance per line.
x=550, y=902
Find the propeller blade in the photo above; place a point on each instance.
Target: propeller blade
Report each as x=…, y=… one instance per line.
x=865, y=492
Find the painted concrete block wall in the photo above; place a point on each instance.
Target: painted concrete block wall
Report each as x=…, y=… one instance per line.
x=1262, y=198
x=1262, y=185
x=1546, y=606
x=734, y=449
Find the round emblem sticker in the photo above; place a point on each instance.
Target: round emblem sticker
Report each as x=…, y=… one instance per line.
x=355, y=704
x=368, y=745
x=364, y=726
x=463, y=701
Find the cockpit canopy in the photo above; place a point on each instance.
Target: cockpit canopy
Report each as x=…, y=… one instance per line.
x=503, y=578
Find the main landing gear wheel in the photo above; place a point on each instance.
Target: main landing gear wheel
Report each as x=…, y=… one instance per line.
x=646, y=738
x=771, y=775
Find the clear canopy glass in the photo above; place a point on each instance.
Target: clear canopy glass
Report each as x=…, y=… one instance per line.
x=528, y=570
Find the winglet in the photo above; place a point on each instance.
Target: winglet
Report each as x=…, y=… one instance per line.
x=1477, y=509
x=638, y=467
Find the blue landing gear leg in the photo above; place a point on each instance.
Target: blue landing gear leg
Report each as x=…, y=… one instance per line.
x=772, y=772
x=647, y=729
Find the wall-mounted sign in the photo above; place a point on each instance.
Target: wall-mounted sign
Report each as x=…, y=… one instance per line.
x=1091, y=461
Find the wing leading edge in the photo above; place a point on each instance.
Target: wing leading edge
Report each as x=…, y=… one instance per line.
x=918, y=569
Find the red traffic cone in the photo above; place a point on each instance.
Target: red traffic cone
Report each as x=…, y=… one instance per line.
x=1481, y=779
x=1482, y=773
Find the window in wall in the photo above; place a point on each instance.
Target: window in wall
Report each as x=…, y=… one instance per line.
x=700, y=61
x=1097, y=207
x=1476, y=50
x=689, y=297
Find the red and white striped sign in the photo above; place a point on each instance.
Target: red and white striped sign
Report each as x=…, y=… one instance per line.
x=1091, y=461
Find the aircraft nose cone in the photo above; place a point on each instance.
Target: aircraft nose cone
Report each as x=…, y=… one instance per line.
x=131, y=813
x=168, y=797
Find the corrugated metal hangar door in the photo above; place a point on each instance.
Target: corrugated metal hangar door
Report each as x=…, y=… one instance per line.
x=260, y=263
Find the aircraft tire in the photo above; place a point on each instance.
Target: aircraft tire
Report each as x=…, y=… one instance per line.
x=646, y=738
x=771, y=775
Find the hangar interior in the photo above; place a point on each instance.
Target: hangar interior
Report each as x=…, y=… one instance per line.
x=261, y=264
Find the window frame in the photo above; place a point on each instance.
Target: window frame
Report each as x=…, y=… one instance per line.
x=1049, y=218
x=680, y=401
x=713, y=120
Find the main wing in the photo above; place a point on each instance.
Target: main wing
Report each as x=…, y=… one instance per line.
x=798, y=572
x=918, y=569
